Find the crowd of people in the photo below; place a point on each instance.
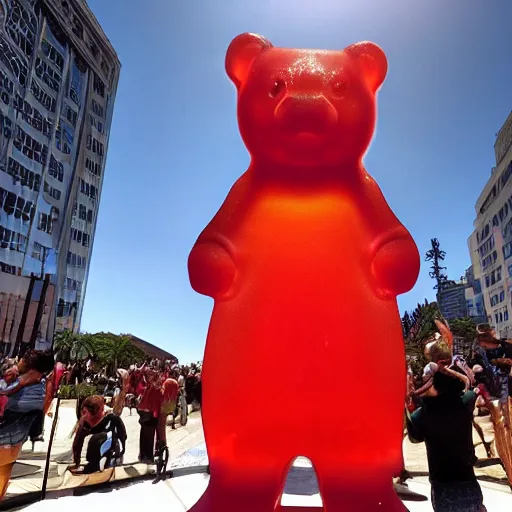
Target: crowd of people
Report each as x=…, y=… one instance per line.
x=156, y=390
x=441, y=407
x=153, y=389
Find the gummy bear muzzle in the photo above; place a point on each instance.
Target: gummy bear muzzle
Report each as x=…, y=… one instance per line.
x=306, y=114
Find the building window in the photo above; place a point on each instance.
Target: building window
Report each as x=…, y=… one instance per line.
x=52, y=54
x=16, y=205
x=505, y=315
x=495, y=221
x=39, y=251
x=47, y=101
x=50, y=77
x=93, y=167
x=507, y=230
x=72, y=284
x=71, y=116
x=6, y=88
x=45, y=223
x=507, y=250
x=56, y=169
x=487, y=246
x=75, y=260
x=95, y=146
x=488, y=260
x=12, y=240
x=97, y=124
x=98, y=86
x=64, y=137
x=97, y=108
x=5, y=126
x=502, y=296
x=32, y=116
x=21, y=174
x=80, y=237
x=75, y=90
x=30, y=147
x=21, y=25
x=13, y=63
x=53, y=192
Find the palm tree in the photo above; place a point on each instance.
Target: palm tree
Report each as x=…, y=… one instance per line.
x=72, y=346
x=419, y=325
x=115, y=350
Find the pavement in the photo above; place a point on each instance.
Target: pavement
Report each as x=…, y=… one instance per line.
x=28, y=471
x=187, y=449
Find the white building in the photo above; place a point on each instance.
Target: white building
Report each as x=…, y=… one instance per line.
x=490, y=244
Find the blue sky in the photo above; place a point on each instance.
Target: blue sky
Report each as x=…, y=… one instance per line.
x=175, y=149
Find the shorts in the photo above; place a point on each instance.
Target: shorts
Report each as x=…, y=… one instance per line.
x=168, y=407
x=457, y=496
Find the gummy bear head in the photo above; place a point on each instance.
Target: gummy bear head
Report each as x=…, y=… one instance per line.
x=305, y=107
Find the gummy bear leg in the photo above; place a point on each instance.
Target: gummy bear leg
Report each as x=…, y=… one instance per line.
x=359, y=492
x=245, y=492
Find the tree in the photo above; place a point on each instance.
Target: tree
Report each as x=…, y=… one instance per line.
x=464, y=328
x=436, y=255
x=70, y=346
x=406, y=324
x=115, y=351
x=419, y=326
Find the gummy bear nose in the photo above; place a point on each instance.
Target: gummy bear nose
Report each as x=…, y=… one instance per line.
x=311, y=114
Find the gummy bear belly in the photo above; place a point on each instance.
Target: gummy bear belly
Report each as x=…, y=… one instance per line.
x=305, y=308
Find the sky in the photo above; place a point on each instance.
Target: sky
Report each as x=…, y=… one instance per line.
x=175, y=148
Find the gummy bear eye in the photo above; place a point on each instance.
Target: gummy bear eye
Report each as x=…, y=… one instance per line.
x=339, y=88
x=277, y=89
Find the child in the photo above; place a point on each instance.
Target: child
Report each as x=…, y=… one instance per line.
x=10, y=375
x=27, y=392
x=8, y=382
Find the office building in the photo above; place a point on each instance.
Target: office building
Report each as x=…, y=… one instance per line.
x=490, y=244
x=452, y=300
x=58, y=81
x=474, y=298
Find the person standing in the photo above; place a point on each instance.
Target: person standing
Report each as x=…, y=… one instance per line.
x=444, y=423
x=149, y=409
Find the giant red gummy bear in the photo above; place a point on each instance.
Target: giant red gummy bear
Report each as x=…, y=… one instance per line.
x=304, y=260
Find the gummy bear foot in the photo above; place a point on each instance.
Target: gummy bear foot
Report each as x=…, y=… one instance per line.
x=234, y=500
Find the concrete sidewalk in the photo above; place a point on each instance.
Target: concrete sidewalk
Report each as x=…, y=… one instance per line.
x=186, y=448
x=416, y=455
x=28, y=471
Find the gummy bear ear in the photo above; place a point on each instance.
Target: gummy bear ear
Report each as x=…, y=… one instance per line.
x=241, y=53
x=372, y=62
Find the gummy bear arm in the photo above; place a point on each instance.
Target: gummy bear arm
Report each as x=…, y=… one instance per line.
x=211, y=269
x=395, y=257
x=212, y=262
x=396, y=264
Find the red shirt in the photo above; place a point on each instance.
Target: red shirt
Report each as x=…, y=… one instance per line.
x=170, y=389
x=152, y=400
